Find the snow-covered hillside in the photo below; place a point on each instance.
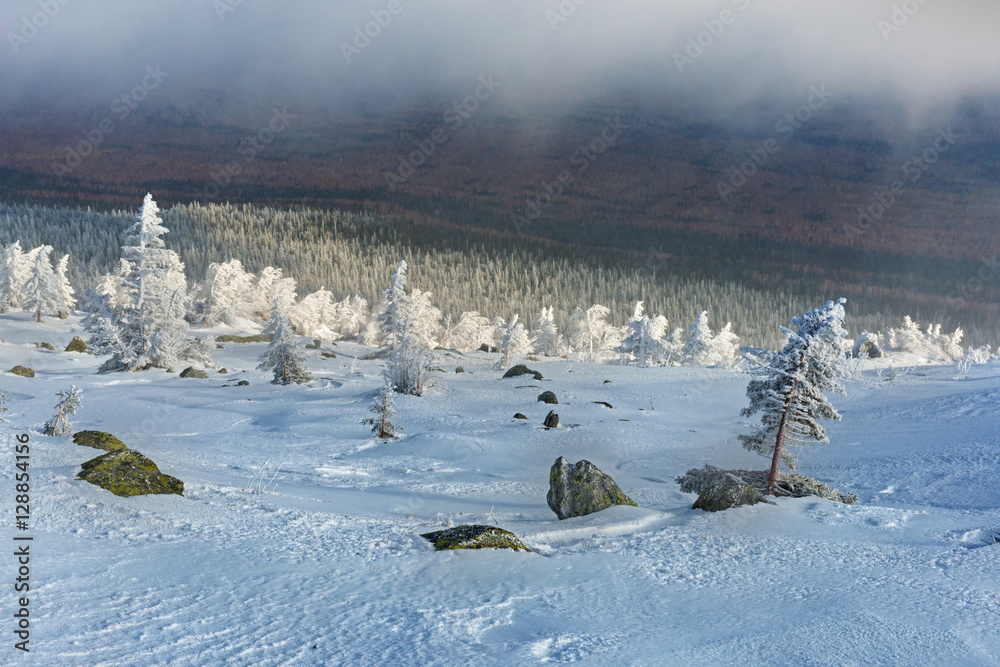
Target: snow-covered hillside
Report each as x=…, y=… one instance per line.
x=326, y=565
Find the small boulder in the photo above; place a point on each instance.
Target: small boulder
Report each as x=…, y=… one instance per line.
x=328, y=355
x=77, y=345
x=128, y=473
x=474, y=537
x=548, y=397
x=45, y=346
x=605, y=404
x=518, y=415
x=551, y=420
x=459, y=369
x=488, y=348
x=521, y=369
x=231, y=338
x=223, y=371
x=23, y=371
x=727, y=495
x=98, y=440
x=192, y=372
x=243, y=383
x=578, y=489
x=315, y=344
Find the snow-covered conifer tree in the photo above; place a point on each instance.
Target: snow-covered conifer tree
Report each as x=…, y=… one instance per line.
x=397, y=308
x=698, y=347
x=270, y=285
x=469, y=334
x=315, y=315
x=643, y=339
x=548, y=341
x=65, y=408
x=789, y=390
x=14, y=272
x=42, y=291
x=283, y=355
x=514, y=344
x=725, y=347
x=148, y=328
x=352, y=316
x=65, y=289
x=228, y=294
x=424, y=318
x=382, y=424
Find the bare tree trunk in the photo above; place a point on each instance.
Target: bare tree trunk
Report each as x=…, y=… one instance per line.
x=779, y=440
x=38, y=315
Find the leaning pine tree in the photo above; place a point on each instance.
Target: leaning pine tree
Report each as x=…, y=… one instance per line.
x=789, y=391
x=65, y=408
x=283, y=355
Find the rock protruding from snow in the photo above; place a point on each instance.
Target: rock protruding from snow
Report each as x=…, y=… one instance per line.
x=518, y=415
x=551, y=420
x=866, y=346
x=128, y=473
x=698, y=480
x=192, y=372
x=475, y=537
x=548, y=397
x=98, y=440
x=521, y=369
x=77, y=345
x=23, y=371
x=578, y=489
x=727, y=495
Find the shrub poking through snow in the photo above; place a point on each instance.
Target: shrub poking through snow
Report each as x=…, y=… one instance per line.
x=65, y=408
x=283, y=355
x=382, y=424
x=408, y=369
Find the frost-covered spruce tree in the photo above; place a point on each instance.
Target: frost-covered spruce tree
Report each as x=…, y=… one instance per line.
x=66, y=301
x=408, y=368
x=698, y=347
x=514, y=344
x=14, y=272
x=271, y=286
x=726, y=347
x=65, y=408
x=789, y=390
x=147, y=329
x=228, y=294
x=591, y=335
x=315, y=315
x=283, y=355
x=397, y=306
x=352, y=316
x=382, y=424
x=643, y=342
x=42, y=291
x=548, y=341
x=424, y=318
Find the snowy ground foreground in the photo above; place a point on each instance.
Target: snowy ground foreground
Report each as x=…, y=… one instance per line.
x=327, y=567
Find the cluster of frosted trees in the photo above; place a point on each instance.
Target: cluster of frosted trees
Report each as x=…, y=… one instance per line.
x=29, y=281
x=930, y=343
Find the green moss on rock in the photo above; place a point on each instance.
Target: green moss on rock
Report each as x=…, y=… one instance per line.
x=727, y=495
x=77, y=345
x=578, y=489
x=551, y=420
x=98, y=440
x=548, y=397
x=128, y=473
x=23, y=371
x=46, y=346
x=697, y=480
x=230, y=338
x=192, y=372
x=475, y=537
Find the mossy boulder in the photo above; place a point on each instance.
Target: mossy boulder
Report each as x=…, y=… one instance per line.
x=518, y=415
x=23, y=371
x=77, y=345
x=697, y=480
x=605, y=404
x=46, y=346
x=459, y=369
x=192, y=372
x=230, y=338
x=521, y=369
x=475, y=537
x=551, y=420
x=578, y=489
x=128, y=473
x=243, y=383
x=727, y=495
x=548, y=397
x=98, y=440
x=328, y=355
